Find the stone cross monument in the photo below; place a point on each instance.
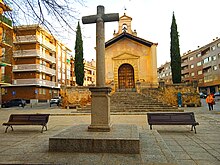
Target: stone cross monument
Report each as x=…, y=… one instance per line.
x=100, y=110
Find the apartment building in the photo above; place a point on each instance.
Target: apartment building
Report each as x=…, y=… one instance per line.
x=6, y=38
x=89, y=73
x=202, y=64
x=164, y=73
x=40, y=65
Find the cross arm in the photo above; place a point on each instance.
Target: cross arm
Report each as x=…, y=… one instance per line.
x=89, y=19
x=106, y=18
x=110, y=17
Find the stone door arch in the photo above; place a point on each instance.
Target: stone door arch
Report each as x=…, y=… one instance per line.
x=126, y=77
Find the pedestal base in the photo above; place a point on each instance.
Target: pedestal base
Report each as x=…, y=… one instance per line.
x=99, y=128
x=121, y=139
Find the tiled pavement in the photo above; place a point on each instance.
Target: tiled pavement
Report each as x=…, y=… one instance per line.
x=162, y=145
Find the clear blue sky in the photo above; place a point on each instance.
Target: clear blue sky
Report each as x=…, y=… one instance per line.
x=197, y=21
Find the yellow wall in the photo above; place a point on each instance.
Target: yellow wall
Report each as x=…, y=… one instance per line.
x=141, y=57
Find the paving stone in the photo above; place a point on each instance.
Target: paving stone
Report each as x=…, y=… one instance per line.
x=158, y=146
x=187, y=162
x=181, y=155
x=202, y=156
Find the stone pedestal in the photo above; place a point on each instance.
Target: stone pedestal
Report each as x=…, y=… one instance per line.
x=100, y=110
x=122, y=138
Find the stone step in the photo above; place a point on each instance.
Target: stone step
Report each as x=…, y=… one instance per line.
x=136, y=102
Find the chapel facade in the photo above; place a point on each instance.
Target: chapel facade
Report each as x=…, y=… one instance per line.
x=130, y=61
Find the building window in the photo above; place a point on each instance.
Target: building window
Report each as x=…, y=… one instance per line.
x=191, y=58
x=192, y=74
x=214, y=58
x=215, y=67
x=213, y=48
x=199, y=63
x=192, y=66
x=206, y=60
x=218, y=45
x=198, y=55
x=199, y=72
x=43, y=76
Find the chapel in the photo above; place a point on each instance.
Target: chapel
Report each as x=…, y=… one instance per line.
x=130, y=61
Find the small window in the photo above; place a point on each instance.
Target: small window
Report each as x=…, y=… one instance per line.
x=206, y=60
x=191, y=58
x=199, y=63
x=192, y=66
x=199, y=72
x=213, y=48
x=215, y=67
x=192, y=74
x=198, y=55
x=214, y=58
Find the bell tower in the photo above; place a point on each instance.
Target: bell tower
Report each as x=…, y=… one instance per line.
x=124, y=25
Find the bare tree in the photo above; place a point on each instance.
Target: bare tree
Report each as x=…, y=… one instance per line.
x=54, y=15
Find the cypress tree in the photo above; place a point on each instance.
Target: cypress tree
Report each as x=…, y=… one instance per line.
x=175, y=53
x=79, y=65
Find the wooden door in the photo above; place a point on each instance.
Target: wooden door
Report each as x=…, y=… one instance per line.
x=126, y=76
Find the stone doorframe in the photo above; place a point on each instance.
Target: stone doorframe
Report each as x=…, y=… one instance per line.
x=118, y=63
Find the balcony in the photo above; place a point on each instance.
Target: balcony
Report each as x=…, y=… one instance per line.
x=33, y=53
x=25, y=39
x=46, y=44
x=184, y=71
x=35, y=81
x=33, y=67
x=6, y=42
x=5, y=20
x=5, y=79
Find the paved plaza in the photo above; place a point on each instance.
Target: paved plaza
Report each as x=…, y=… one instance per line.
x=162, y=145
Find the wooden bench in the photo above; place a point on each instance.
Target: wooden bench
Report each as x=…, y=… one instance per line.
x=177, y=118
x=27, y=119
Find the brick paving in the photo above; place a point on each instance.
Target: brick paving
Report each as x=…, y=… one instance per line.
x=162, y=145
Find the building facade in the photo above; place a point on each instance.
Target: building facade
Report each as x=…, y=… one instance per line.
x=89, y=73
x=40, y=65
x=6, y=47
x=130, y=60
x=202, y=65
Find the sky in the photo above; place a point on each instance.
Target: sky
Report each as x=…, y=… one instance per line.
x=197, y=22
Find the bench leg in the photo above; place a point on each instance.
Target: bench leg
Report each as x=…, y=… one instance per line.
x=194, y=128
x=150, y=127
x=7, y=128
x=43, y=128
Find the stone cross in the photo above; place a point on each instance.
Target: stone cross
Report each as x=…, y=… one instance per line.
x=100, y=107
x=99, y=19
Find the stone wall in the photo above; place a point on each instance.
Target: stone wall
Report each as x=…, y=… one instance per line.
x=75, y=96
x=168, y=94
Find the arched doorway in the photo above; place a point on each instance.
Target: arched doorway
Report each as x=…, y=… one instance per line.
x=126, y=76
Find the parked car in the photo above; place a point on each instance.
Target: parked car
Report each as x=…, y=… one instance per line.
x=55, y=100
x=202, y=95
x=14, y=103
x=217, y=94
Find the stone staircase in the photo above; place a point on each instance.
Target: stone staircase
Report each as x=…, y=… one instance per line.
x=135, y=102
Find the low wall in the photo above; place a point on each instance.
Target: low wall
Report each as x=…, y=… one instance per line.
x=168, y=94
x=79, y=96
